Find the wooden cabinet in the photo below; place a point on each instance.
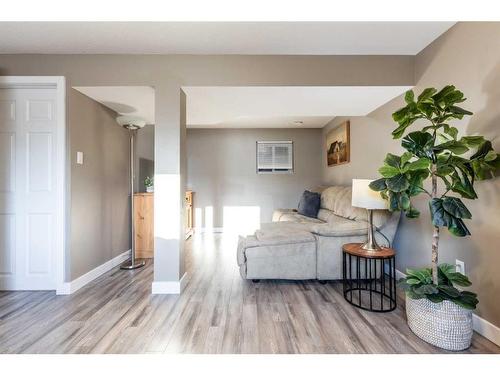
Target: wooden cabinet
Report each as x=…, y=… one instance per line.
x=144, y=224
x=189, y=213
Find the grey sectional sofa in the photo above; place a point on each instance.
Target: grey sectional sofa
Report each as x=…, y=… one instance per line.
x=297, y=247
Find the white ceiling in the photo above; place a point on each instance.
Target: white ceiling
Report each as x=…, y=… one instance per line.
x=252, y=107
x=276, y=38
x=125, y=100
x=280, y=107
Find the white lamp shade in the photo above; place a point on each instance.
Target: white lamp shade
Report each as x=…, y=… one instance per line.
x=364, y=197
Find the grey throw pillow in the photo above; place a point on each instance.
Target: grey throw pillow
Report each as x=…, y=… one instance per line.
x=309, y=204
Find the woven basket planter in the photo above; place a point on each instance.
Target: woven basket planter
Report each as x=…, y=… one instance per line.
x=444, y=324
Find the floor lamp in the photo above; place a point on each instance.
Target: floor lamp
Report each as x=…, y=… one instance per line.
x=132, y=124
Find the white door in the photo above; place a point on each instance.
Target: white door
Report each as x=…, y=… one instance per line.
x=28, y=188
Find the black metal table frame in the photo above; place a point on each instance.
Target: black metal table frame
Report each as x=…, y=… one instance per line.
x=351, y=285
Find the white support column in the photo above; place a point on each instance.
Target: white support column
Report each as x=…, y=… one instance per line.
x=169, y=191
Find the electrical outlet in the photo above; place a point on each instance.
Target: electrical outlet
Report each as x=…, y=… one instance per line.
x=460, y=266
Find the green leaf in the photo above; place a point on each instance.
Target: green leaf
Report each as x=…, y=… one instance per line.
x=457, y=278
x=455, y=207
x=426, y=94
x=459, y=111
x=419, y=164
x=456, y=147
x=426, y=289
x=404, y=201
x=409, y=97
x=436, y=298
x=378, y=185
x=449, y=290
x=466, y=300
x=490, y=156
x=392, y=160
x=462, y=185
x=405, y=158
x=440, y=217
x=410, y=293
x=446, y=268
x=416, y=180
x=418, y=143
x=397, y=183
x=405, y=123
x=453, y=97
x=482, y=151
x=388, y=171
x=457, y=227
x=473, y=140
x=393, y=201
x=412, y=213
x=400, y=114
x=438, y=97
x=484, y=170
x=413, y=281
x=423, y=274
x=451, y=131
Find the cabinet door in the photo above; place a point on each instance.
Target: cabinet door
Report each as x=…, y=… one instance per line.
x=144, y=240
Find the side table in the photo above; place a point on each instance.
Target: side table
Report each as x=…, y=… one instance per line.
x=369, y=277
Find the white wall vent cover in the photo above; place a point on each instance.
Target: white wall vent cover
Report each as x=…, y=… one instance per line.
x=274, y=157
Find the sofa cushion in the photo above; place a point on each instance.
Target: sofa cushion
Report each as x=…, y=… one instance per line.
x=339, y=226
x=295, y=217
x=282, y=234
x=338, y=200
x=309, y=204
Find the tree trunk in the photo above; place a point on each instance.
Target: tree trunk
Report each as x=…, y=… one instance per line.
x=435, y=234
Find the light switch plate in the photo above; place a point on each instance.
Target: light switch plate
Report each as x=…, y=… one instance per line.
x=79, y=157
x=460, y=266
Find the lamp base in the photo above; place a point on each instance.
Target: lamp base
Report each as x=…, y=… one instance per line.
x=371, y=246
x=133, y=266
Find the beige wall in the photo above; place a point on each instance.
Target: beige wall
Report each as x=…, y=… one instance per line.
x=99, y=228
x=468, y=56
x=222, y=169
x=144, y=156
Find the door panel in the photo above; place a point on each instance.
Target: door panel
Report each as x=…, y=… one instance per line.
x=7, y=244
x=27, y=188
x=39, y=169
x=7, y=162
x=39, y=243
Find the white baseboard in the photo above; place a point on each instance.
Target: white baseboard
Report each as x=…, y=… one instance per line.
x=73, y=286
x=169, y=287
x=480, y=325
x=209, y=230
x=399, y=275
x=486, y=329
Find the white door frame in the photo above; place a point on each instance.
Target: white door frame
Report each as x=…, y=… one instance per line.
x=59, y=84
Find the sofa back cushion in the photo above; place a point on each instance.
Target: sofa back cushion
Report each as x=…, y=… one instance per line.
x=309, y=204
x=338, y=200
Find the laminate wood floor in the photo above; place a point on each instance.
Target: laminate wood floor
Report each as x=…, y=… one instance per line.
x=218, y=312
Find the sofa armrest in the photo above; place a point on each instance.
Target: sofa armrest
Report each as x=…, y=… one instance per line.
x=277, y=214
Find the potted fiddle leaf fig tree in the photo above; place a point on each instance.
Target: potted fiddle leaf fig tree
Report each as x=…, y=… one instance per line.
x=437, y=311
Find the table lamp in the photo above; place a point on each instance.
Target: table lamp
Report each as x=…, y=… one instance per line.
x=364, y=197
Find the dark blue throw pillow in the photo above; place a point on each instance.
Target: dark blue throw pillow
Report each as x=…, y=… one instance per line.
x=309, y=204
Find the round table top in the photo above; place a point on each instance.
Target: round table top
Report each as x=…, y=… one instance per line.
x=357, y=250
